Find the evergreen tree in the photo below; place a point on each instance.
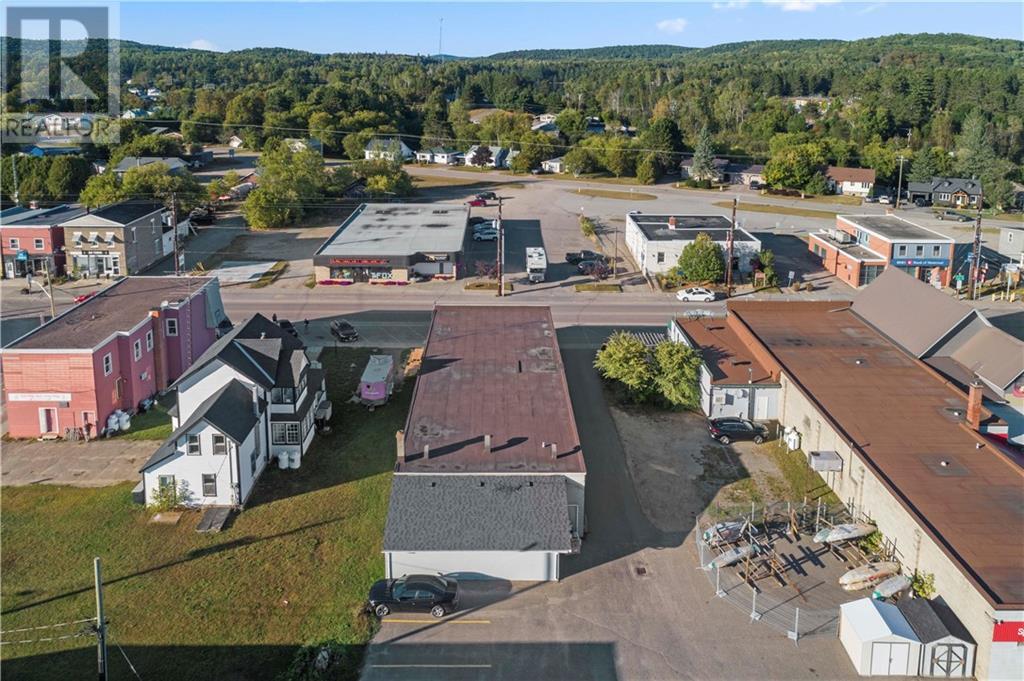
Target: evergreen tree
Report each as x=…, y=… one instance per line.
x=923, y=167
x=704, y=156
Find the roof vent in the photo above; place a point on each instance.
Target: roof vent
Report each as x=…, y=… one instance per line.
x=860, y=361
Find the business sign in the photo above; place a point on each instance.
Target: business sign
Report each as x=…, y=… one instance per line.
x=22, y=255
x=920, y=262
x=1008, y=632
x=358, y=261
x=39, y=397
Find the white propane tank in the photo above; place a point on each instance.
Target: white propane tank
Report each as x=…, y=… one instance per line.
x=282, y=460
x=112, y=421
x=792, y=439
x=124, y=421
x=296, y=458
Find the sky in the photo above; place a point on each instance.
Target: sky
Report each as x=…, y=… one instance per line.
x=480, y=28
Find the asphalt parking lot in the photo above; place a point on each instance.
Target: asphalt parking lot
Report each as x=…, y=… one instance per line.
x=630, y=606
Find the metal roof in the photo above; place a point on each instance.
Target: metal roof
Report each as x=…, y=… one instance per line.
x=728, y=359
x=477, y=513
x=494, y=371
x=874, y=620
x=399, y=229
x=43, y=217
x=898, y=416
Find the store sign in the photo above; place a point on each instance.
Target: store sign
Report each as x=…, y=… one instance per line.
x=358, y=261
x=1008, y=632
x=22, y=255
x=39, y=397
x=920, y=262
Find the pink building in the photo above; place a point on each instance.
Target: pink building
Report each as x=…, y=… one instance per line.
x=123, y=345
x=32, y=241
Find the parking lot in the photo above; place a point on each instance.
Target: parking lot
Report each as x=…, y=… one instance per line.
x=630, y=606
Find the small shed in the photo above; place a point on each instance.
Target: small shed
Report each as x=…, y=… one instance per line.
x=947, y=648
x=878, y=639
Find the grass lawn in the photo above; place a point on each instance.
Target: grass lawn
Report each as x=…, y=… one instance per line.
x=431, y=181
x=841, y=199
x=155, y=424
x=801, y=479
x=292, y=570
x=780, y=210
x=599, y=288
x=612, y=194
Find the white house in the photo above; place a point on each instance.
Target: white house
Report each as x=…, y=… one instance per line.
x=657, y=241
x=249, y=398
x=296, y=144
x=499, y=157
x=132, y=114
x=385, y=147
x=443, y=155
x=850, y=181
x=553, y=165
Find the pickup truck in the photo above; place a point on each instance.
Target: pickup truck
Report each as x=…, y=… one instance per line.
x=576, y=257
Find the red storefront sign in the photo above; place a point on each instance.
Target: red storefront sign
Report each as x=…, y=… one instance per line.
x=358, y=261
x=1008, y=632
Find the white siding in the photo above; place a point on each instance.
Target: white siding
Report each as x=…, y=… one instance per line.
x=524, y=566
x=190, y=470
x=204, y=383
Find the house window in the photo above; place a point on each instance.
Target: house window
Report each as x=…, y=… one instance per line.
x=862, y=237
x=661, y=257
x=13, y=243
x=919, y=251
x=302, y=383
x=193, y=448
x=936, y=250
x=172, y=327
x=209, y=484
x=901, y=250
x=286, y=433
x=165, y=482
x=282, y=396
x=108, y=364
x=868, y=273
x=137, y=350
x=943, y=197
x=149, y=340
x=38, y=244
x=133, y=235
x=220, y=445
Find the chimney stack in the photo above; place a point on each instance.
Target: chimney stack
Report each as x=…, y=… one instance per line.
x=487, y=444
x=400, y=445
x=672, y=222
x=974, y=405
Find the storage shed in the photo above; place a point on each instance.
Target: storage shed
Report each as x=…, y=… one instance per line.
x=878, y=639
x=947, y=649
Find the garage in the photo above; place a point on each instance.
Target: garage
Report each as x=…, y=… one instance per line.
x=947, y=648
x=512, y=527
x=878, y=639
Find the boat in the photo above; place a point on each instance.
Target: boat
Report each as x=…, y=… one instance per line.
x=845, y=532
x=733, y=555
x=868, y=575
x=891, y=587
x=727, y=532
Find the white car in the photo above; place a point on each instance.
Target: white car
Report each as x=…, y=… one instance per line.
x=884, y=199
x=695, y=294
x=486, y=235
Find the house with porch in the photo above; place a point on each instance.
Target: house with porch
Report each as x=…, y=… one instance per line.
x=956, y=192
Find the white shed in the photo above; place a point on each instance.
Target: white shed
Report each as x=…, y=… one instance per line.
x=947, y=648
x=878, y=639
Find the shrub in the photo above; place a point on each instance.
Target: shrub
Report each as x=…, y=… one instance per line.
x=701, y=260
x=587, y=227
x=923, y=584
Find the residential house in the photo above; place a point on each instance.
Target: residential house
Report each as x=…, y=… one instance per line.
x=956, y=192
x=310, y=143
x=174, y=164
x=123, y=345
x=553, y=165
x=657, y=241
x=132, y=114
x=118, y=239
x=850, y=181
x=492, y=493
x=385, y=148
x=1011, y=242
x=862, y=246
x=252, y=396
x=499, y=157
x=443, y=155
x=725, y=171
x=53, y=150
x=33, y=241
x=154, y=93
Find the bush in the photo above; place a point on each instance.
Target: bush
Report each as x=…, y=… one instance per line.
x=923, y=584
x=698, y=184
x=701, y=260
x=587, y=227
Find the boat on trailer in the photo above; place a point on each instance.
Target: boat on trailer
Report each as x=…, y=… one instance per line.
x=844, y=532
x=868, y=575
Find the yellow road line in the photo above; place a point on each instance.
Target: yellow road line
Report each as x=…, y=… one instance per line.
x=437, y=621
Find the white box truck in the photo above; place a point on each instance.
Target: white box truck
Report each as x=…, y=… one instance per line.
x=536, y=264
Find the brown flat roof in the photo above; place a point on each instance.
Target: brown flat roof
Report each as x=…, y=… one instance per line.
x=491, y=371
x=120, y=307
x=728, y=358
x=897, y=413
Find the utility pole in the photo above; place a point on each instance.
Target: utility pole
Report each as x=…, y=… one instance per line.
x=899, y=182
x=728, y=251
x=174, y=231
x=49, y=286
x=501, y=253
x=101, y=623
x=14, y=169
x=976, y=257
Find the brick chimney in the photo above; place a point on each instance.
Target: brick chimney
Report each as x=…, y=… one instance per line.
x=672, y=222
x=400, y=445
x=974, y=405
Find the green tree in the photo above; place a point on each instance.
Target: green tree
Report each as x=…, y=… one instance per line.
x=579, y=161
x=482, y=156
x=794, y=167
x=701, y=260
x=625, y=359
x=923, y=166
x=975, y=156
x=662, y=137
x=704, y=156
x=101, y=189
x=66, y=177
x=572, y=124
x=244, y=109
x=677, y=374
x=619, y=156
x=817, y=185
x=202, y=128
x=156, y=181
x=147, y=145
x=883, y=159
x=221, y=185
x=648, y=170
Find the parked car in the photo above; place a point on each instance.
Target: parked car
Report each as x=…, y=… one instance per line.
x=730, y=429
x=485, y=226
x=288, y=326
x=870, y=199
x=202, y=216
x=476, y=203
x=922, y=202
x=84, y=297
x=952, y=215
x=487, y=196
x=343, y=331
x=576, y=257
x=695, y=294
x=586, y=266
x=754, y=184
x=477, y=219
x=884, y=198
x=414, y=593
x=486, y=235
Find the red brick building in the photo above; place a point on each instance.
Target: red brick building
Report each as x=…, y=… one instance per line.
x=862, y=246
x=123, y=345
x=31, y=241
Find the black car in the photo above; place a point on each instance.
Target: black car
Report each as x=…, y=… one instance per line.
x=478, y=219
x=576, y=257
x=343, y=331
x=729, y=429
x=287, y=326
x=414, y=593
x=487, y=196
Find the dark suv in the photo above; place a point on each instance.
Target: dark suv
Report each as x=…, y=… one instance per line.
x=414, y=593
x=730, y=429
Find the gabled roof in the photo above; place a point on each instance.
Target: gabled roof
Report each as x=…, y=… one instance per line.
x=728, y=359
x=843, y=174
x=947, y=185
x=994, y=355
x=229, y=410
x=129, y=162
x=873, y=620
x=932, y=620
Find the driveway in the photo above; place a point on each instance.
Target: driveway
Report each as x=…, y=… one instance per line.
x=80, y=464
x=630, y=606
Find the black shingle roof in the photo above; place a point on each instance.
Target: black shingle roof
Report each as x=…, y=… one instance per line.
x=932, y=620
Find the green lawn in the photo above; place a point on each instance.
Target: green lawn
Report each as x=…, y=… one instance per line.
x=802, y=480
x=612, y=194
x=155, y=424
x=292, y=569
x=779, y=210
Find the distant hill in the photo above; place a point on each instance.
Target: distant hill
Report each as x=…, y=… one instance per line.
x=612, y=52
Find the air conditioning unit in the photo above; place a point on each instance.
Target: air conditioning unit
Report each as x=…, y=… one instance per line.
x=843, y=237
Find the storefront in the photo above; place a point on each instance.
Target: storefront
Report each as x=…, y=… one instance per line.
x=96, y=263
